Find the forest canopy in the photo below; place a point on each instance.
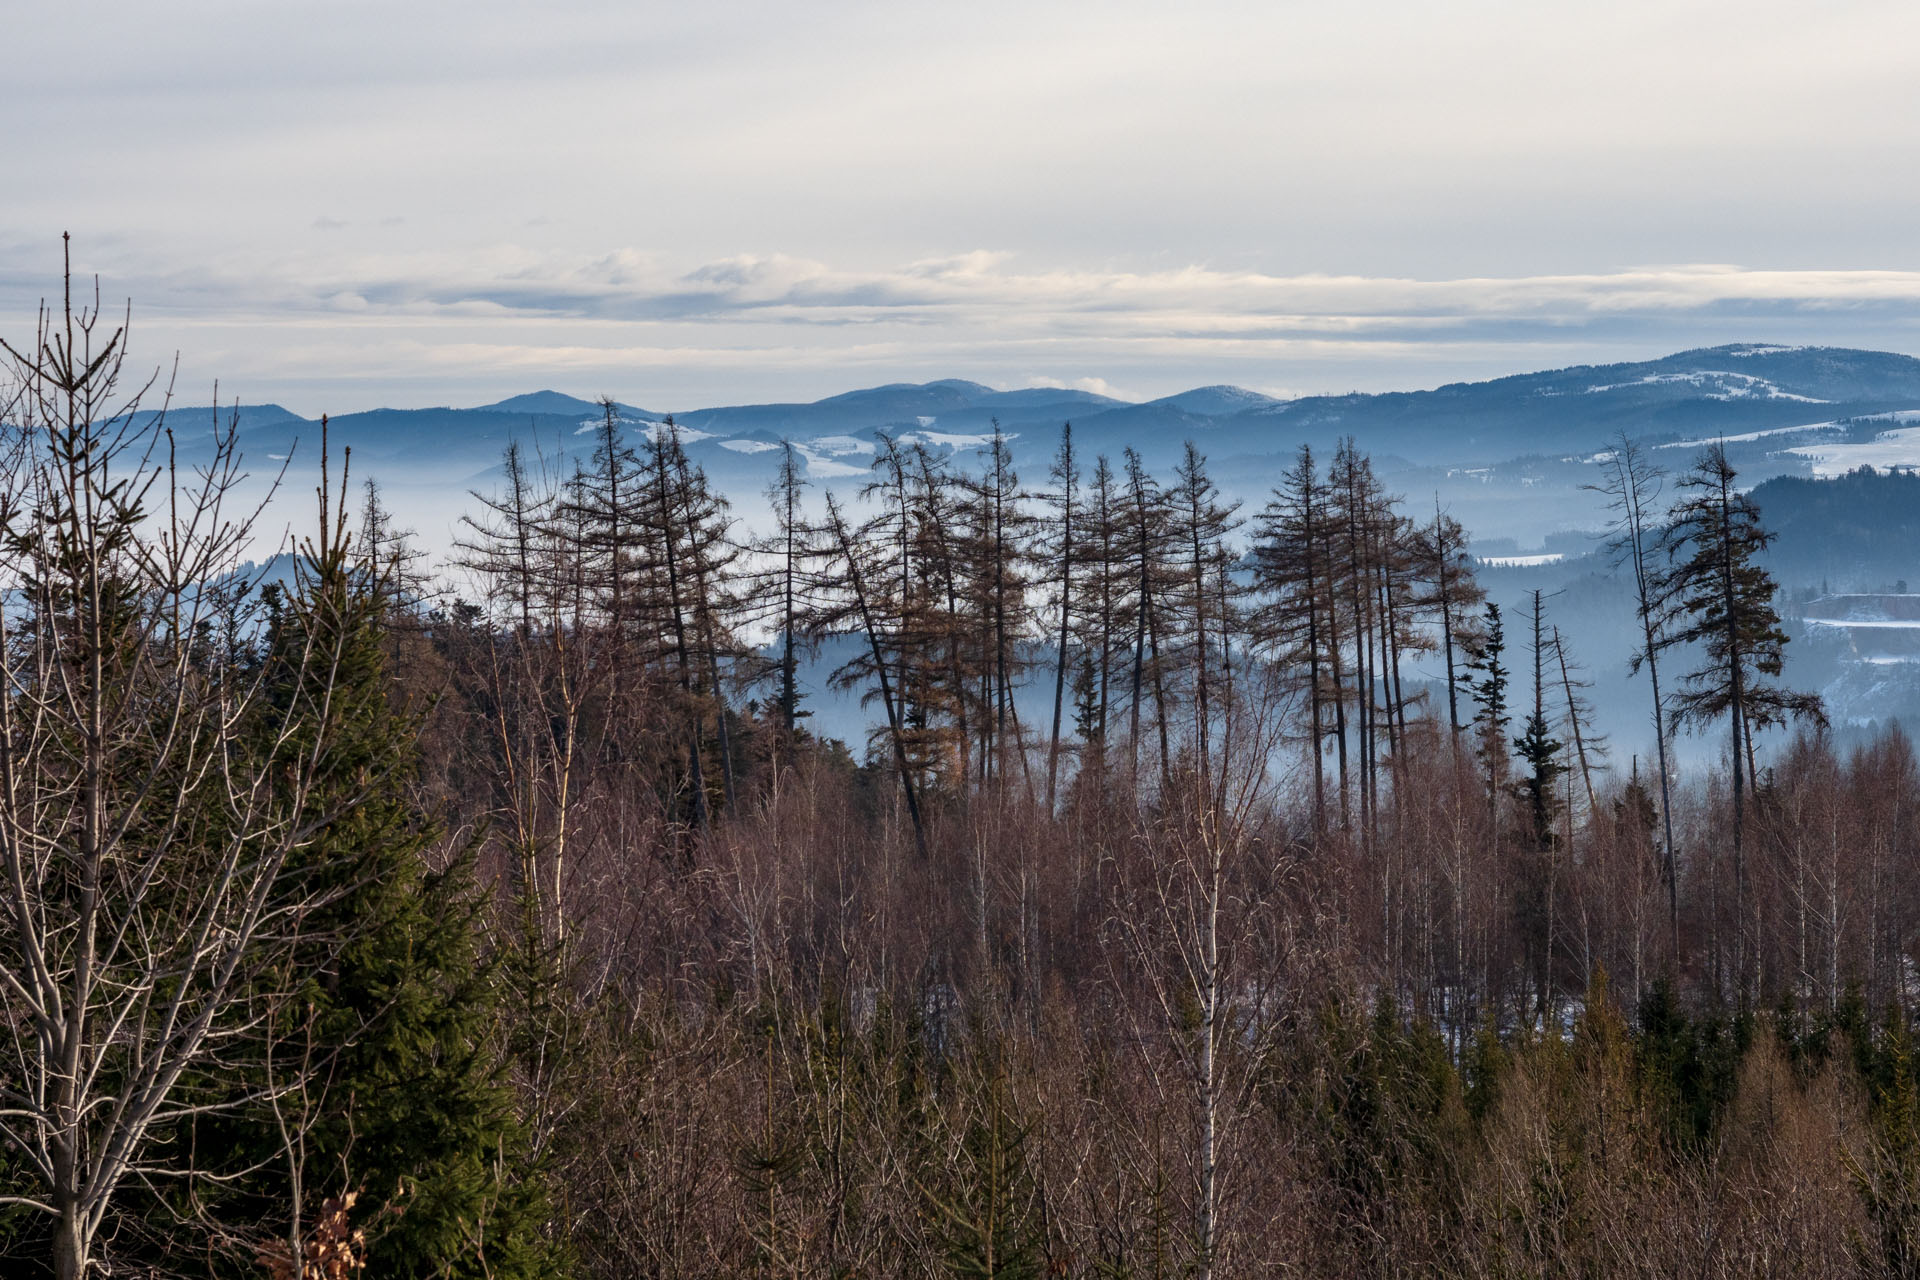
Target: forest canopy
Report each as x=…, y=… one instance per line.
x=393, y=920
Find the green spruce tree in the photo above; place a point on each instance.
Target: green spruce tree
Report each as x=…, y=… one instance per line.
x=393, y=1034
x=1491, y=714
x=1717, y=601
x=1541, y=751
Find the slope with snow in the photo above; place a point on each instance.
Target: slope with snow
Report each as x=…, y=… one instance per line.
x=1889, y=450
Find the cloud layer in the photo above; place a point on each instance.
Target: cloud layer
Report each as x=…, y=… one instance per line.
x=366, y=202
x=749, y=326
x=634, y=286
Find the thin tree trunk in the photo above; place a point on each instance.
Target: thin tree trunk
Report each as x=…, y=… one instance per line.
x=880, y=669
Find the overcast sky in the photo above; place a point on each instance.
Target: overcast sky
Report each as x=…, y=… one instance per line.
x=340, y=205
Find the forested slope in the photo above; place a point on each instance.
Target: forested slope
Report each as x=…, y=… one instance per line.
x=522, y=927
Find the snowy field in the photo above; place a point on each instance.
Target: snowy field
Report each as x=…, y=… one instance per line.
x=1523, y=562
x=1745, y=437
x=1889, y=449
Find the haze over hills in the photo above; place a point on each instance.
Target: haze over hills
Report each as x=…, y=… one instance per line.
x=1509, y=456
x=1727, y=390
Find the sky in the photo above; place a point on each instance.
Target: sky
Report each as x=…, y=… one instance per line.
x=343, y=205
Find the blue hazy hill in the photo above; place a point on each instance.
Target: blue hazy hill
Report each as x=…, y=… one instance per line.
x=1220, y=401
x=559, y=404
x=1727, y=390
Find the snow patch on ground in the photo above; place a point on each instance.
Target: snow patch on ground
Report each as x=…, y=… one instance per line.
x=839, y=446
x=1869, y=686
x=1725, y=384
x=824, y=453
x=1747, y=437
x=749, y=446
x=1888, y=450
x=653, y=429
x=687, y=435
x=1522, y=562
x=952, y=441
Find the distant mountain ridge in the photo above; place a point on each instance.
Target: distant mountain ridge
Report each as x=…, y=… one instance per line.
x=1218, y=401
x=1738, y=388
x=559, y=403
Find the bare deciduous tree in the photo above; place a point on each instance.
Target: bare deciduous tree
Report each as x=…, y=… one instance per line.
x=155, y=790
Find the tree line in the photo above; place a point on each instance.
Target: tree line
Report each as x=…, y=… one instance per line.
x=1218, y=891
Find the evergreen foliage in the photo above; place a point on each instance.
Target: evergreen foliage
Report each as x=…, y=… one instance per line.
x=1855, y=532
x=1491, y=714
x=982, y=1198
x=406, y=1099
x=1719, y=597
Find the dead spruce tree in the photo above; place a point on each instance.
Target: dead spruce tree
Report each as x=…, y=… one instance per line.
x=542, y=667
x=993, y=554
x=787, y=583
x=1065, y=500
x=1146, y=551
x=1447, y=588
x=1292, y=625
x=1632, y=487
